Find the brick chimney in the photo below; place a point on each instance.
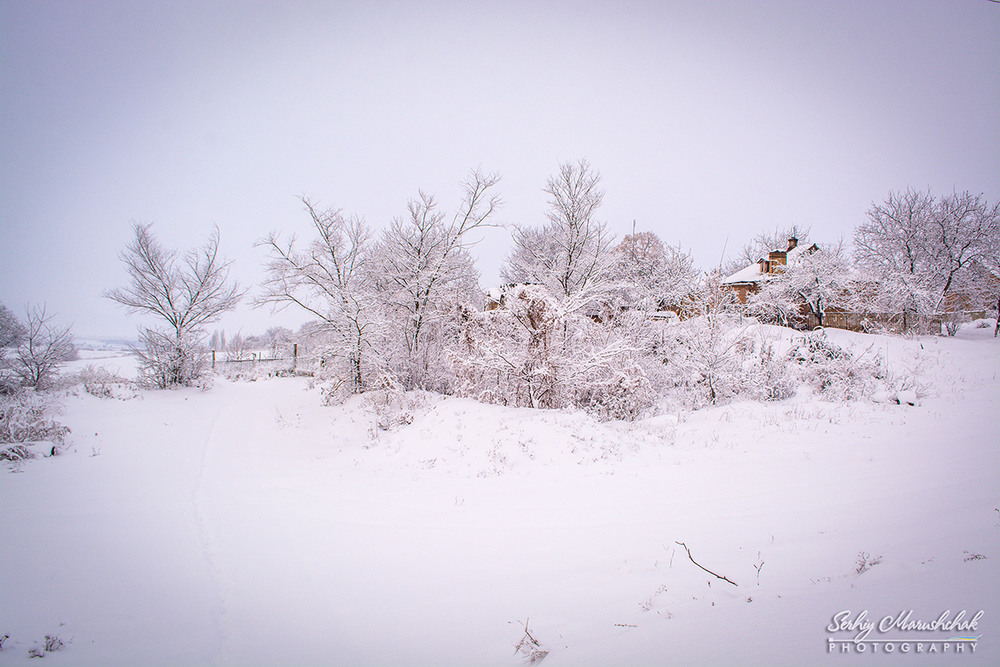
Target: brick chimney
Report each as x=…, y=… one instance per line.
x=776, y=259
x=792, y=242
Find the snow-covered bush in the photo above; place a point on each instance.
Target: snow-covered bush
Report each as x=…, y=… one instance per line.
x=102, y=383
x=531, y=353
x=717, y=358
x=835, y=372
x=393, y=408
x=617, y=388
x=167, y=361
x=251, y=371
x=26, y=416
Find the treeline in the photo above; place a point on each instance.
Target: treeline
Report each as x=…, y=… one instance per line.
x=582, y=320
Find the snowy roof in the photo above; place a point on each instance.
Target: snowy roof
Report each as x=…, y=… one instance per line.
x=753, y=274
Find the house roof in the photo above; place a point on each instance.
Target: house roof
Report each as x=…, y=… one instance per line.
x=753, y=274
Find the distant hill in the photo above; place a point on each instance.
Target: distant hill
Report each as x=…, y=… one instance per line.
x=108, y=344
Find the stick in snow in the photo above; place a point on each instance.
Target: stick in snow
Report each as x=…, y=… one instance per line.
x=717, y=576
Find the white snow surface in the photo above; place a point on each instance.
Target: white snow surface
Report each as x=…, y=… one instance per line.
x=248, y=524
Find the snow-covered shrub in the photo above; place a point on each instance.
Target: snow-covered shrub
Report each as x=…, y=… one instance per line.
x=764, y=372
x=394, y=408
x=102, y=383
x=833, y=371
x=16, y=453
x=531, y=353
x=701, y=361
x=506, y=355
x=26, y=416
x=9, y=383
x=50, y=644
x=717, y=358
x=618, y=389
x=167, y=361
x=251, y=371
x=865, y=562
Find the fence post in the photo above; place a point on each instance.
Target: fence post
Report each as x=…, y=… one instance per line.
x=213, y=360
x=295, y=356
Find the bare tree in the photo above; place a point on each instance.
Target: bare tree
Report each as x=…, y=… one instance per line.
x=42, y=350
x=185, y=294
x=331, y=280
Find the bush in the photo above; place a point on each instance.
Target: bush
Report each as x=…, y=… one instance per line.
x=833, y=371
x=716, y=358
x=166, y=361
x=25, y=416
x=102, y=383
x=531, y=353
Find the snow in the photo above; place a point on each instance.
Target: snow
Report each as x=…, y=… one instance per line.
x=250, y=524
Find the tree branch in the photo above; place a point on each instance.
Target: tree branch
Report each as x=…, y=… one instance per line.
x=717, y=576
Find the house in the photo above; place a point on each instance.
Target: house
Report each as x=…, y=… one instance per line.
x=854, y=308
x=748, y=280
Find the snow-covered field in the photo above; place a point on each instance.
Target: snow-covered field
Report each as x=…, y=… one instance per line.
x=249, y=524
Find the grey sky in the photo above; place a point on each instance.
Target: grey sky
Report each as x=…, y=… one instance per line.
x=709, y=121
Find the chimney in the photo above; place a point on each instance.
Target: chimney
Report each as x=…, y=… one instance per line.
x=792, y=242
x=776, y=259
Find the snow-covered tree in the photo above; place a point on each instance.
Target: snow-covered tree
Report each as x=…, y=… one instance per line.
x=425, y=277
x=185, y=295
x=650, y=276
x=11, y=329
x=962, y=237
x=891, y=248
x=331, y=279
x=987, y=277
x=571, y=253
x=924, y=251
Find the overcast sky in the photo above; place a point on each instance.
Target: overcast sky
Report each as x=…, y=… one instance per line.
x=709, y=121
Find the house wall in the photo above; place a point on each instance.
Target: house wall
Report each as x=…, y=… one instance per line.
x=743, y=290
